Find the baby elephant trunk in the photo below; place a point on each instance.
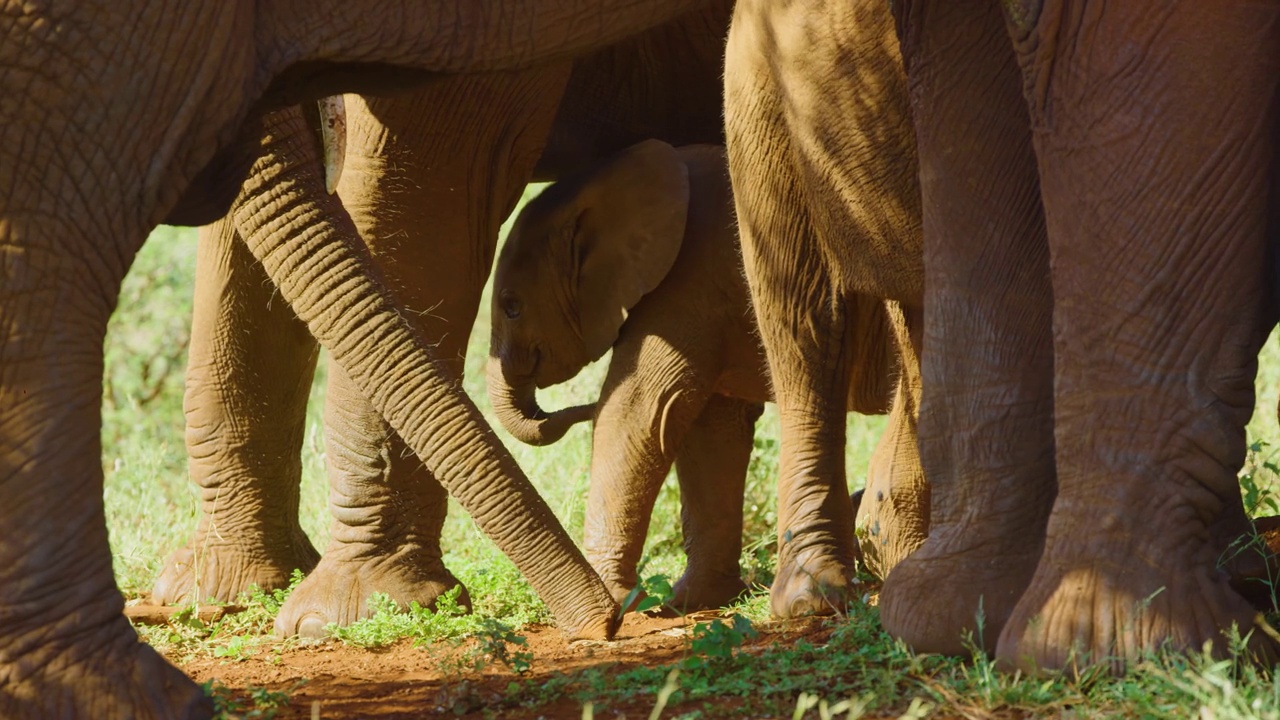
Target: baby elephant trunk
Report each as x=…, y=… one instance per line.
x=516, y=405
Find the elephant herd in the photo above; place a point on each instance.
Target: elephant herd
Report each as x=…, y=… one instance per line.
x=1040, y=234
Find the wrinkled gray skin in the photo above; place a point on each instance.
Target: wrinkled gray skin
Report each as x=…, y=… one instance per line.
x=430, y=173
x=108, y=133
x=640, y=256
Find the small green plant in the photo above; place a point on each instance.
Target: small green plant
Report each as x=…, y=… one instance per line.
x=389, y=622
x=718, y=639
x=495, y=641
x=1259, y=496
x=259, y=703
x=236, y=635
x=713, y=648
x=492, y=644
x=653, y=592
x=447, y=623
x=755, y=605
x=237, y=647
x=498, y=589
x=758, y=560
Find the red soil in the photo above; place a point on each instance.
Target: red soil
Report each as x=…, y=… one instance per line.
x=403, y=681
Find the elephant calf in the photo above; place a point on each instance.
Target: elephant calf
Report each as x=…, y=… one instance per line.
x=640, y=255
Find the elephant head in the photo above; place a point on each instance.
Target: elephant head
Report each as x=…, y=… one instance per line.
x=580, y=255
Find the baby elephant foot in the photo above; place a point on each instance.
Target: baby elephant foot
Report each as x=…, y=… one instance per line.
x=1106, y=614
x=812, y=582
x=706, y=591
x=338, y=591
x=940, y=600
x=222, y=572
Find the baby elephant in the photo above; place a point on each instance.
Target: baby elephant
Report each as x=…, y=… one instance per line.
x=640, y=255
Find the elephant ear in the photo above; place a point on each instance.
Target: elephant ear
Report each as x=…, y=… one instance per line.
x=627, y=237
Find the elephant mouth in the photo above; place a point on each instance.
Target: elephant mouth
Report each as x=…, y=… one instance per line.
x=545, y=371
x=535, y=364
x=538, y=371
x=515, y=402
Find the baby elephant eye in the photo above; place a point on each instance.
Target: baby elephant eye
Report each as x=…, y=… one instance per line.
x=510, y=307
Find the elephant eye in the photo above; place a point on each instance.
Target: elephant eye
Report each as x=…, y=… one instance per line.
x=510, y=306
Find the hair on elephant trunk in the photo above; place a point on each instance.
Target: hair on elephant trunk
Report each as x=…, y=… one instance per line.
x=515, y=403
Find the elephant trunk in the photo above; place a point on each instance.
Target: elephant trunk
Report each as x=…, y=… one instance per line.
x=310, y=249
x=516, y=405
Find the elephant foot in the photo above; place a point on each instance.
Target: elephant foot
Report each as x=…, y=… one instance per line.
x=121, y=678
x=706, y=591
x=943, y=599
x=338, y=591
x=1081, y=614
x=221, y=572
x=812, y=582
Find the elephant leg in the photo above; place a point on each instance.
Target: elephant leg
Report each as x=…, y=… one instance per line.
x=649, y=401
x=804, y=327
x=429, y=207
x=892, y=519
x=986, y=433
x=388, y=512
x=824, y=211
x=249, y=372
x=66, y=649
x=1157, y=225
x=809, y=357
x=711, y=465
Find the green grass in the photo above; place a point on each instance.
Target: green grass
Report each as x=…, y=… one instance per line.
x=151, y=510
x=857, y=668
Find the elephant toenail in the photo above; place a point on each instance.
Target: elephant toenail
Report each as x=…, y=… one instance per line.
x=313, y=627
x=802, y=606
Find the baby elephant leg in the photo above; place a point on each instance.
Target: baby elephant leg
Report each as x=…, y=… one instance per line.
x=712, y=466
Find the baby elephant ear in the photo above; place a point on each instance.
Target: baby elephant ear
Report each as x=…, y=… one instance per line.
x=629, y=231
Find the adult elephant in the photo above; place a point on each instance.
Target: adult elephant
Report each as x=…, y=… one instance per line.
x=1096, y=256
x=107, y=131
x=429, y=176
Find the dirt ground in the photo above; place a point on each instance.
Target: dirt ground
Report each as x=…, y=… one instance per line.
x=334, y=681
